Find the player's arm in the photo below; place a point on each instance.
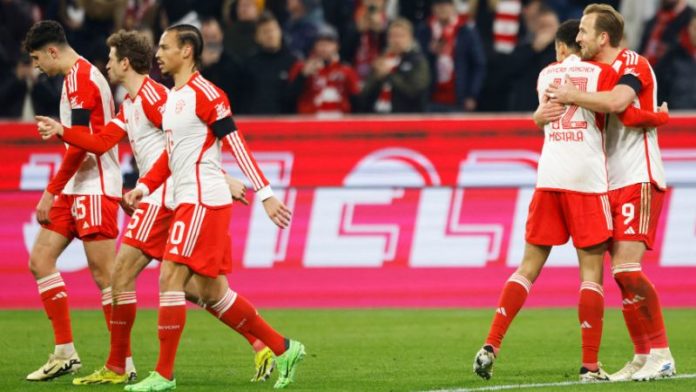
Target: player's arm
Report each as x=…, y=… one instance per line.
x=73, y=157
x=615, y=100
x=97, y=143
x=633, y=117
x=233, y=140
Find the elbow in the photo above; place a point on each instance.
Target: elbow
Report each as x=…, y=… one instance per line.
x=616, y=107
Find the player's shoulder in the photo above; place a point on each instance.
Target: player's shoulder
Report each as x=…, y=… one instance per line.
x=599, y=66
x=205, y=90
x=152, y=92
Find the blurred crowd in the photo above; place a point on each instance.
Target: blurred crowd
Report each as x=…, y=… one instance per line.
x=330, y=57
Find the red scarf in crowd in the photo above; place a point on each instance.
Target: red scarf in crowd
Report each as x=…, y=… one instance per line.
x=444, y=92
x=506, y=25
x=655, y=48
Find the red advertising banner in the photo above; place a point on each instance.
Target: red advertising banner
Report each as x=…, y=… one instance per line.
x=387, y=212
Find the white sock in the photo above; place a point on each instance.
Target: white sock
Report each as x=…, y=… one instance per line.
x=130, y=366
x=64, y=350
x=640, y=358
x=663, y=352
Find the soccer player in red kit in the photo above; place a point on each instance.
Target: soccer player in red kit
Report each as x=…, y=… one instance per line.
x=83, y=205
x=570, y=200
x=139, y=119
x=636, y=185
x=197, y=120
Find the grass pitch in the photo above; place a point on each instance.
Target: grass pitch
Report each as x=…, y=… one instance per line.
x=353, y=350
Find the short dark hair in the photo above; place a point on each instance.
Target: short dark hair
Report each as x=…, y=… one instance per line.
x=135, y=47
x=187, y=34
x=608, y=21
x=567, y=33
x=43, y=33
x=265, y=17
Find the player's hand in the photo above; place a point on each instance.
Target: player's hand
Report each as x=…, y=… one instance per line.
x=564, y=93
x=663, y=108
x=126, y=208
x=132, y=198
x=277, y=211
x=44, y=207
x=548, y=112
x=48, y=127
x=238, y=189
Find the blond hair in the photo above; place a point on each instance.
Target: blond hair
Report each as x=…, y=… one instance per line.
x=608, y=21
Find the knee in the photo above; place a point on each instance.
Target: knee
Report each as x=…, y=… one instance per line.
x=41, y=264
x=531, y=274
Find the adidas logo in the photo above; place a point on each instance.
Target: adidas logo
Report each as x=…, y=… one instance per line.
x=635, y=300
x=630, y=231
x=174, y=251
x=60, y=295
x=129, y=234
x=85, y=225
x=501, y=311
x=585, y=324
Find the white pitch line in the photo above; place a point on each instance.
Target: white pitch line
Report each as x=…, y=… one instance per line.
x=543, y=385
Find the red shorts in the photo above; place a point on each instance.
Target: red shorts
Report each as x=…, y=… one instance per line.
x=87, y=217
x=636, y=209
x=555, y=216
x=148, y=229
x=199, y=237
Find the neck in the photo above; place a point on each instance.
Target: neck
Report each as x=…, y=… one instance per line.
x=132, y=82
x=69, y=58
x=608, y=55
x=183, y=76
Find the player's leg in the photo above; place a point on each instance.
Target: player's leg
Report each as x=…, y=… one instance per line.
x=591, y=310
x=264, y=362
x=170, y=326
x=119, y=368
x=636, y=212
x=644, y=311
x=545, y=227
x=511, y=300
x=48, y=246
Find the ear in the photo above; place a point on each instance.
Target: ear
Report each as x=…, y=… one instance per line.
x=52, y=51
x=187, y=50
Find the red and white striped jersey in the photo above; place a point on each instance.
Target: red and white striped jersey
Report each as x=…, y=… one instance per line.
x=633, y=153
x=141, y=119
x=85, y=87
x=573, y=157
x=193, y=153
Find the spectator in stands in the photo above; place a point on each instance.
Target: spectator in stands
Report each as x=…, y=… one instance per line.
x=302, y=25
x=366, y=36
x=339, y=14
x=24, y=92
x=240, y=34
x=217, y=65
x=400, y=79
x=676, y=71
x=456, y=58
x=264, y=79
x=321, y=84
x=662, y=31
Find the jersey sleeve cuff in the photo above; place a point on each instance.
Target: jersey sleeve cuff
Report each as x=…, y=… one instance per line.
x=143, y=188
x=265, y=193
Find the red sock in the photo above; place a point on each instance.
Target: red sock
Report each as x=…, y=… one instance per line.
x=106, y=306
x=122, y=319
x=55, y=302
x=637, y=289
x=238, y=313
x=591, y=317
x=246, y=335
x=511, y=300
x=170, y=326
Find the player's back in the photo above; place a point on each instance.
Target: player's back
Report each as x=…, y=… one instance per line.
x=195, y=158
x=573, y=156
x=634, y=154
x=84, y=87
